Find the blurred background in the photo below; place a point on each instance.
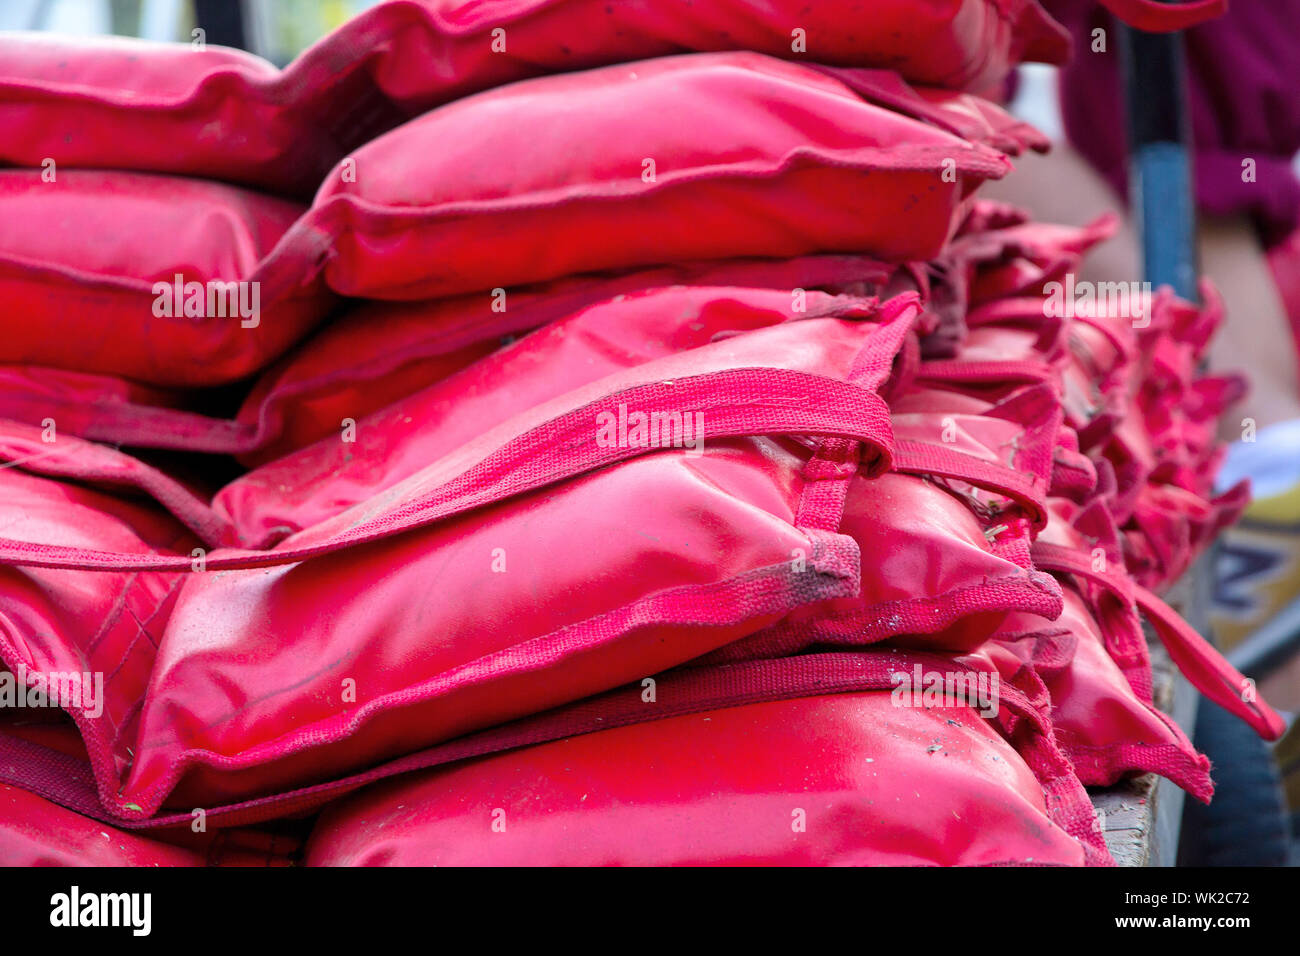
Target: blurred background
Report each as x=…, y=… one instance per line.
x=275, y=29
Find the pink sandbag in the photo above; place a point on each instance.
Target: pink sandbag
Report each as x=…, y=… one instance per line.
x=997, y=256
x=468, y=197
x=969, y=116
x=997, y=360
x=77, y=403
x=1091, y=358
x=89, y=638
x=42, y=747
x=1170, y=527
x=382, y=352
x=977, y=556
x=477, y=646
x=617, y=333
x=367, y=361
x=732, y=779
x=966, y=44
x=1062, y=550
x=1101, y=723
x=93, y=289
x=378, y=353
x=1093, y=661
x=741, y=537
x=123, y=103
x=1073, y=474
x=952, y=527
x=223, y=114
x=36, y=832
x=44, y=451
x=1022, y=258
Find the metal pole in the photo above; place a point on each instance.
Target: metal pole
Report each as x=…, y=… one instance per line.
x=1163, y=205
x=1160, y=174
x=223, y=22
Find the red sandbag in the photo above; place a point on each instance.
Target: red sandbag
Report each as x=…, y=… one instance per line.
x=1014, y=341
x=367, y=361
x=1105, y=729
x=123, y=103
x=741, y=538
x=35, y=832
x=104, y=629
x=304, y=488
x=76, y=403
x=93, y=287
x=473, y=195
x=1005, y=254
x=1170, y=527
x=489, y=646
x=223, y=114
x=52, y=750
x=955, y=568
x=850, y=779
x=1203, y=666
x=1073, y=474
x=43, y=451
x=379, y=352
x=951, y=532
x=383, y=352
x=969, y=43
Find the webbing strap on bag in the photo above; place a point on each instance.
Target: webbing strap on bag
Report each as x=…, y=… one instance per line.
x=688, y=690
x=734, y=403
x=1203, y=665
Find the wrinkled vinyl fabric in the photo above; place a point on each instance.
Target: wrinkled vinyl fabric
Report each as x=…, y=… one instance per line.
x=955, y=519
x=741, y=539
x=383, y=352
x=1105, y=728
x=960, y=558
x=1163, y=449
x=92, y=289
x=846, y=780
x=376, y=354
x=43, y=451
x=609, y=336
x=36, y=832
x=66, y=628
x=226, y=115
x=88, y=405
x=796, y=162
x=1126, y=375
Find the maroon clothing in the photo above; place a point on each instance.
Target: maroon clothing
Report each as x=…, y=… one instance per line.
x=1244, y=83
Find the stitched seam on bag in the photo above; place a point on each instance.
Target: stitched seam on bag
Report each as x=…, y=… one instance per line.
x=777, y=575
x=382, y=217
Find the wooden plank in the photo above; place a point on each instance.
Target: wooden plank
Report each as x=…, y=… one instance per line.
x=1141, y=818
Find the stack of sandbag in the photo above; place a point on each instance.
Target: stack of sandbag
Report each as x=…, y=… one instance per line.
x=641, y=449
